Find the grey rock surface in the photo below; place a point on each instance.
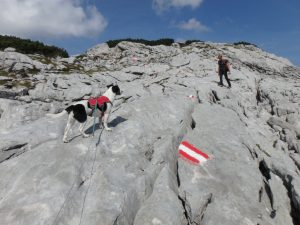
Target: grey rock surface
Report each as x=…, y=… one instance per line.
x=13, y=61
x=134, y=174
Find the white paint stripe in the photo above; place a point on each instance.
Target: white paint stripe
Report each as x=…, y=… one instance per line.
x=192, y=153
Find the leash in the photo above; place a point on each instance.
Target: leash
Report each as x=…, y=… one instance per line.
x=72, y=190
x=94, y=114
x=90, y=179
x=94, y=160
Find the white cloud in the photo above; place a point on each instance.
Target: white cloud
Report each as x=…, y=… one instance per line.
x=50, y=18
x=162, y=5
x=193, y=25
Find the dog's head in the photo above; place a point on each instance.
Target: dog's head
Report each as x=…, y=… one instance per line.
x=115, y=89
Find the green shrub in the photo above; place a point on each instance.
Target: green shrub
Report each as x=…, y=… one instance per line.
x=28, y=46
x=243, y=43
x=188, y=42
x=163, y=41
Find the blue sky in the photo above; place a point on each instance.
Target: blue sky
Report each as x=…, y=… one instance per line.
x=76, y=25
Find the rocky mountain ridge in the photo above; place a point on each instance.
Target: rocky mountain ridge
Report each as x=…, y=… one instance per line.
x=134, y=175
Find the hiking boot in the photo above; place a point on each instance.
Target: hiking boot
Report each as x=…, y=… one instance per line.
x=221, y=85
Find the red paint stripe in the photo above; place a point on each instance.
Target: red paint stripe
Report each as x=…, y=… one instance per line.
x=187, y=156
x=193, y=148
x=188, y=161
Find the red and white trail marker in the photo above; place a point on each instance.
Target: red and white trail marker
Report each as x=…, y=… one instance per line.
x=191, y=153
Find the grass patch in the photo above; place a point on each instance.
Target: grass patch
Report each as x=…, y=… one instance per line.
x=22, y=83
x=71, y=68
x=3, y=82
x=4, y=73
x=33, y=71
x=46, y=61
x=26, y=84
x=43, y=59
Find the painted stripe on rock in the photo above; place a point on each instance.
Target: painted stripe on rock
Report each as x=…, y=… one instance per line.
x=193, y=155
x=187, y=156
x=193, y=148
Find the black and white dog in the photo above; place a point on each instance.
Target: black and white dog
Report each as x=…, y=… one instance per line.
x=79, y=111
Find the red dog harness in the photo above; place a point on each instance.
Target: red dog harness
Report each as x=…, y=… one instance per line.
x=99, y=100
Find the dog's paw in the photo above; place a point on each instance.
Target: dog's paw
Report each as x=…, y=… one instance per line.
x=108, y=129
x=65, y=141
x=86, y=135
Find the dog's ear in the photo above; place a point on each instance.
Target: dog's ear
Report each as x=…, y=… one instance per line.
x=108, y=86
x=116, y=90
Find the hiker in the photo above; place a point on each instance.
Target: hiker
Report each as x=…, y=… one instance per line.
x=223, y=69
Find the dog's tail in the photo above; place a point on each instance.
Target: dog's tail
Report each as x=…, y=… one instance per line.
x=57, y=115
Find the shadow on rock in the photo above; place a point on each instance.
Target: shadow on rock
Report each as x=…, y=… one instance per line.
x=75, y=137
x=116, y=121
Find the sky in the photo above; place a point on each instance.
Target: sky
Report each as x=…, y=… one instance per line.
x=77, y=25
